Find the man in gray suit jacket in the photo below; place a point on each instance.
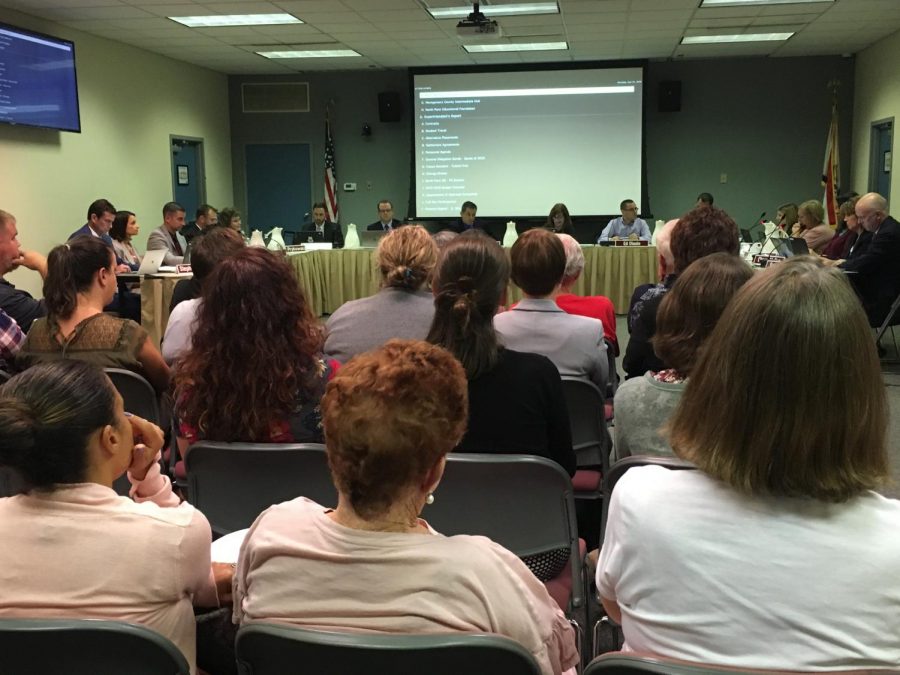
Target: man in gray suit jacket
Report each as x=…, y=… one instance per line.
x=167, y=236
x=538, y=325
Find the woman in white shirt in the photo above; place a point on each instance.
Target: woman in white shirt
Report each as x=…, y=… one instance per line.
x=776, y=553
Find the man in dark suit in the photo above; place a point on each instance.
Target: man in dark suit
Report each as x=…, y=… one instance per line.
x=466, y=219
x=101, y=214
x=875, y=270
x=330, y=232
x=207, y=216
x=386, y=220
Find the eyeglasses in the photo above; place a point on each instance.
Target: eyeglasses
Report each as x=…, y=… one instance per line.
x=630, y=208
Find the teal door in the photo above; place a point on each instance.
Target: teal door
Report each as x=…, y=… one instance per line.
x=278, y=186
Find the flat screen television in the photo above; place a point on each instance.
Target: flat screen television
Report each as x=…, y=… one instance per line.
x=38, y=86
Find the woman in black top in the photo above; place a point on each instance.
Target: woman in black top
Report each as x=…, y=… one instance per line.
x=516, y=402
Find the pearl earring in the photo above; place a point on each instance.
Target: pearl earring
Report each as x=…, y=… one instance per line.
x=429, y=499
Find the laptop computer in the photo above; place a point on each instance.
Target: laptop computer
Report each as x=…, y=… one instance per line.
x=746, y=236
x=152, y=261
x=370, y=239
x=791, y=247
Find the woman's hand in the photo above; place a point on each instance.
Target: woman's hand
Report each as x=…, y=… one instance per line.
x=223, y=573
x=148, y=441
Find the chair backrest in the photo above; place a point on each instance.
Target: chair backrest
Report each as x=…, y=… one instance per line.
x=138, y=394
x=86, y=647
x=619, y=663
x=4, y=376
x=618, y=469
x=523, y=502
x=232, y=483
x=268, y=649
x=587, y=419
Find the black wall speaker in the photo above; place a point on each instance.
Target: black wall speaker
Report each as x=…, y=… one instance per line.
x=389, y=107
x=670, y=96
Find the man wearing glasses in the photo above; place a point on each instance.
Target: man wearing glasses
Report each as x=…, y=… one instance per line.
x=627, y=226
x=874, y=269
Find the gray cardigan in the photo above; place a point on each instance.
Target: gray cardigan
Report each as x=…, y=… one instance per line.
x=642, y=406
x=360, y=325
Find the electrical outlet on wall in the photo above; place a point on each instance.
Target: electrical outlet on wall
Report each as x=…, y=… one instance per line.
x=723, y=177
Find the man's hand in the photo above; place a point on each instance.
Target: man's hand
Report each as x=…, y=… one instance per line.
x=633, y=237
x=33, y=261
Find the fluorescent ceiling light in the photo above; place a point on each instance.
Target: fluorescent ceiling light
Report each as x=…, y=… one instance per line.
x=309, y=54
x=518, y=9
x=518, y=47
x=739, y=3
x=744, y=37
x=219, y=20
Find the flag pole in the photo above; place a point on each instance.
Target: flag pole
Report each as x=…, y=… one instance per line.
x=831, y=170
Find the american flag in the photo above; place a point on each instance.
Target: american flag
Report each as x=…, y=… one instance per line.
x=331, y=203
x=831, y=170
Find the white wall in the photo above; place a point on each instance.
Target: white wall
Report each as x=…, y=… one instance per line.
x=131, y=101
x=877, y=97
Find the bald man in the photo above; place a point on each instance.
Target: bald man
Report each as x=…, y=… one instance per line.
x=875, y=271
x=15, y=302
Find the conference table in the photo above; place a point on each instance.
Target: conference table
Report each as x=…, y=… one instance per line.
x=332, y=277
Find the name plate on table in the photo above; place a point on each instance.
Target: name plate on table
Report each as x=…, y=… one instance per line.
x=183, y=269
x=293, y=249
x=766, y=259
x=630, y=242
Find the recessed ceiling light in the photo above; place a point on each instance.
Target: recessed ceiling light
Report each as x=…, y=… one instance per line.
x=309, y=54
x=744, y=37
x=738, y=3
x=218, y=20
x=518, y=47
x=517, y=9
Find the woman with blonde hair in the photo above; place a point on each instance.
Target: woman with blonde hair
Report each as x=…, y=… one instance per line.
x=403, y=308
x=810, y=227
x=372, y=564
x=743, y=562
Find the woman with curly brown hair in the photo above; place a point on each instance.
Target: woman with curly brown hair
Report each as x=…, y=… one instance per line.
x=403, y=307
x=372, y=564
x=254, y=371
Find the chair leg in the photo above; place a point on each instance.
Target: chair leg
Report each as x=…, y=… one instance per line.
x=579, y=643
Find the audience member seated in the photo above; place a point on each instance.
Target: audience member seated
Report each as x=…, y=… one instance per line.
x=74, y=547
x=124, y=228
x=745, y=562
x=372, y=564
x=701, y=231
x=11, y=339
x=840, y=245
x=559, y=220
x=80, y=282
x=211, y=249
x=665, y=262
x=443, y=238
x=687, y=315
x=403, y=308
x=516, y=401
x=595, y=306
x=254, y=371
x=810, y=227
x=704, y=199
x=786, y=217
x=18, y=304
x=538, y=325
x=875, y=269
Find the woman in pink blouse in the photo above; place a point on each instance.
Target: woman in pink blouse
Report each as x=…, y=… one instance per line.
x=372, y=564
x=72, y=547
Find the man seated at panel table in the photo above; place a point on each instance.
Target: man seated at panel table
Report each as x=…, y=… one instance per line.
x=207, y=217
x=168, y=235
x=466, y=219
x=626, y=226
x=321, y=226
x=875, y=272
x=386, y=220
x=701, y=231
x=18, y=304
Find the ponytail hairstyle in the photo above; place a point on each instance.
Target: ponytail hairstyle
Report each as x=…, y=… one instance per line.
x=469, y=282
x=47, y=415
x=70, y=270
x=406, y=257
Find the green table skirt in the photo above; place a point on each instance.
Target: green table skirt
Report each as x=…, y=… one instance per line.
x=331, y=278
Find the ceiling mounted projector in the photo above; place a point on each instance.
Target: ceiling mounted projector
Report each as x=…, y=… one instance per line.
x=477, y=25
